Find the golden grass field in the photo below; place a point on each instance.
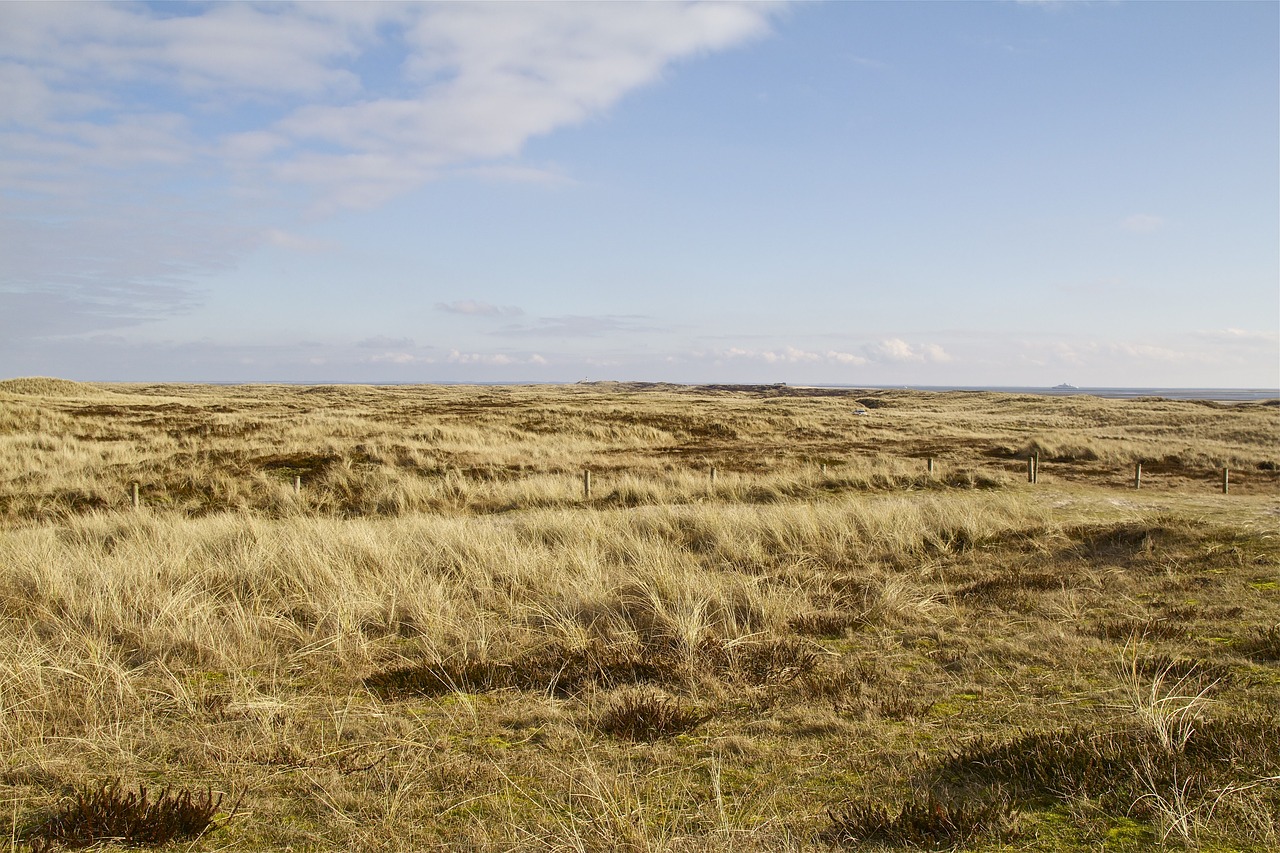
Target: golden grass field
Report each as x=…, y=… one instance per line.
x=440, y=643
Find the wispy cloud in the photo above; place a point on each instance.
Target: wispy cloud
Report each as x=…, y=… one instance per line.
x=1142, y=223
x=398, y=358
x=790, y=355
x=1240, y=336
x=63, y=275
x=352, y=104
x=478, y=308
x=295, y=242
x=1210, y=358
x=480, y=85
x=385, y=342
x=495, y=359
x=890, y=351
x=578, y=326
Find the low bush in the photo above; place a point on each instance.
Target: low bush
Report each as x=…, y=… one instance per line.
x=922, y=821
x=110, y=812
x=648, y=716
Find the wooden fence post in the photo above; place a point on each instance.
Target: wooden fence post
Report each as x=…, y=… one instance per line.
x=713, y=475
x=135, y=496
x=1035, y=469
x=1226, y=480
x=1031, y=469
x=1137, y=475
x=930, y=466
x=586, y=485
x=297, y=485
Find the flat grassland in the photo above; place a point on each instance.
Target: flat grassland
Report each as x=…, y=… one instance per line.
x=439, y=642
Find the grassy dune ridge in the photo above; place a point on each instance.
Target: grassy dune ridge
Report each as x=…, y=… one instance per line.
x=440, y=643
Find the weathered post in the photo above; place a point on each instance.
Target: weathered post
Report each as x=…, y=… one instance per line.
x=930, y=466
x=135, y=500
x=1226, y=480
x=1031, y=469
x=1035, y=468
x=1137, y=475
x=713, y=475
x=824, y=469
x=586, y=485
x=297, y=485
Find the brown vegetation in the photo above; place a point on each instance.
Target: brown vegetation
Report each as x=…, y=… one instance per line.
x=440, y=643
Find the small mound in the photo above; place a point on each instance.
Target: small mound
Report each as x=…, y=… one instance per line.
x=48, y=387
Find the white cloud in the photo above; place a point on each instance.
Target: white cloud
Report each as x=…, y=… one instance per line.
x=483, y=80
x=478, y=308
x=496, y=359
x=294, y=242
x=1142, y=223
x=227, y=49
x=456, y=357
x=223, y=112
x=898, y=350
x=934, y=353
x=1198, y=357
x=894, y=349
x=1239, y=336
x=788, y=355
x=398, y=358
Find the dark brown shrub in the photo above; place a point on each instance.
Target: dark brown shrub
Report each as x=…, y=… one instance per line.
x=437, y=679
x=648, y=716
x=773, y=662
x=830, y=624
x=111, y=813
x=1149, y=629
x=923, y=821
x=1262, y=645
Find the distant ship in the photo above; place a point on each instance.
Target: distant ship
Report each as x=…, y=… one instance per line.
x=1065, y=386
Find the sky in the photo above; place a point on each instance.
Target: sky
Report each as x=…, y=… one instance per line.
x=999, y=194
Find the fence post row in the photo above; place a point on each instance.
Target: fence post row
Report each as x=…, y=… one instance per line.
x=1033, y=476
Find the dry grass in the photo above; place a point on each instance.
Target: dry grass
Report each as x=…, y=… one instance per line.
x=440, y=644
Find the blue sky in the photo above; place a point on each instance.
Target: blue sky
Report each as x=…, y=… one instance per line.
x=849, y=193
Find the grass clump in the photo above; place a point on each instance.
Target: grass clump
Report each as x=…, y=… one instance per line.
x=557, y=669
x=112, y=813
x=437, y=679
x=1262, y=645
x=923, y=821
x=773, y=662
x=646, y=715
x=1041, y=767
x=825, y=624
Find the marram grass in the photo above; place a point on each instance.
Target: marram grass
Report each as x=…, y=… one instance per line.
x=439, y=642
